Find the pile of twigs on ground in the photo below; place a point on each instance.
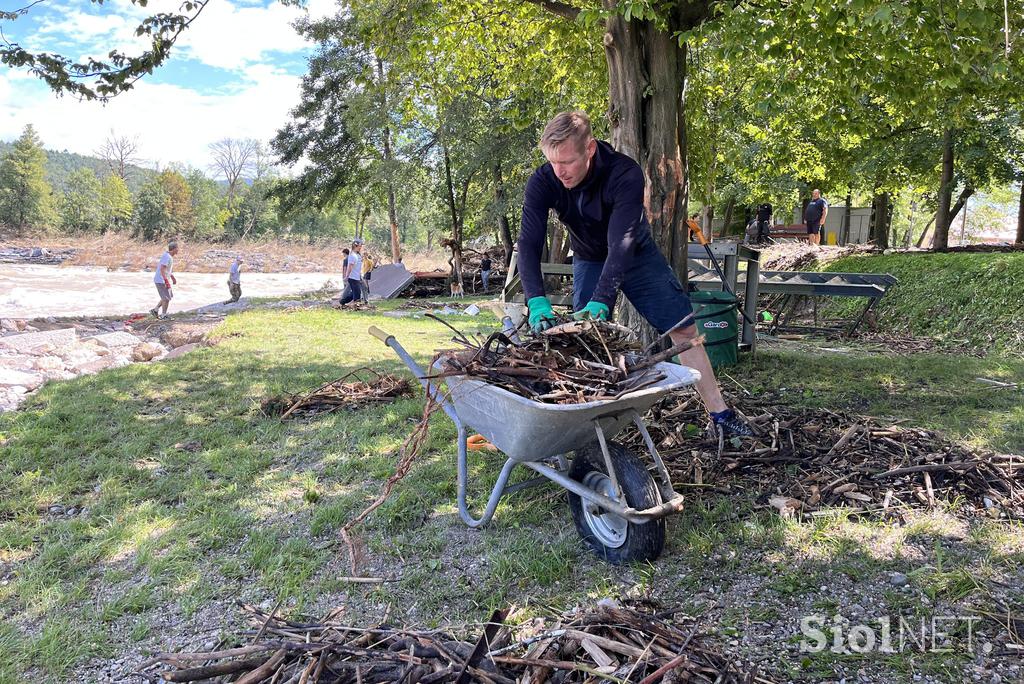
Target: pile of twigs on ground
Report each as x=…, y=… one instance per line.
x=608, y=642
x=574, y=362
x=806, y=460
x=360, y=387
x=906, y=345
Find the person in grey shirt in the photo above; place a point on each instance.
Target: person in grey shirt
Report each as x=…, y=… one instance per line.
x=235, y=280
x=163, y=279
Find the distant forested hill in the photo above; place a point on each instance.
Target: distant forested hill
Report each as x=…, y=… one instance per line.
x=59, y=166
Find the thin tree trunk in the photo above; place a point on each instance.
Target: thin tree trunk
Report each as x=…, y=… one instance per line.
x=727, y=216
x=396, y=253
x=504, y=228
x=924, y=234
x=961, y=202
x=963, y=226
x=1020, y=215
x=844, y=231
x=942, y=214
x=455, y=244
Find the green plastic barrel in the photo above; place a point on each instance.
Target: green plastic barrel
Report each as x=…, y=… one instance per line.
x=715, y=317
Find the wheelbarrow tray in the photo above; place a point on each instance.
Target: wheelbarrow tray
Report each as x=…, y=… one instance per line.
x=527, y=430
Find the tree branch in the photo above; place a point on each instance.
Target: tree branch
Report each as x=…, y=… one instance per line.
x=562, y=9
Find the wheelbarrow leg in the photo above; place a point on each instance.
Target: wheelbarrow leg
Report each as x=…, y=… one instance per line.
x=463, y=480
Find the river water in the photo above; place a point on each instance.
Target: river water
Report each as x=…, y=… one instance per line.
x=33, y=291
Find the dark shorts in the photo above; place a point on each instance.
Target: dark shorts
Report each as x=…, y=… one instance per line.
x=814, y=228
x=165, y=294
x=650, y=285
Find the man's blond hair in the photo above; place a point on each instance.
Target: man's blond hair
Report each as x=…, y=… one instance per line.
x=564, y=127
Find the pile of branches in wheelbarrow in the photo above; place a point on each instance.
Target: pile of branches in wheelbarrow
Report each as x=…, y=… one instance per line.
x=609, y=642
x=804, y=461
x=354, y=389
x=571, y=363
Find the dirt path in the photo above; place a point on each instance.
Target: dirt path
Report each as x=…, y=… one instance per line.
x=33, y=291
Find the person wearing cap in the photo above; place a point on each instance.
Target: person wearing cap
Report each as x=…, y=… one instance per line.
x=598, y=194
x=235, y=280
x=354, y=274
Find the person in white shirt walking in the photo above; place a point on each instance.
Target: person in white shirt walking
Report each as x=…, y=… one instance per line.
x=163, y=279
x=354, y=274
x=235, y=280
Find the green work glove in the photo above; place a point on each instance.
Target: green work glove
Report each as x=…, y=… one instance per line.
x=541, y=315
x=594, y=311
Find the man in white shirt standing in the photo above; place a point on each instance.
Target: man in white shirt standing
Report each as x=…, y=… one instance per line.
x=235, y=280
x=354, y=274
x=163, y=279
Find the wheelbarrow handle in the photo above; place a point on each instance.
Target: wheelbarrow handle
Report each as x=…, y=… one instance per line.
x=380, y=334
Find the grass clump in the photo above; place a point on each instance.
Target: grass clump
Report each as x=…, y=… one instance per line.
x=959, y=298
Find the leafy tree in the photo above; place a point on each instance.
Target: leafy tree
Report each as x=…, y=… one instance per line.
x=345, y=124
x=151, y=218
x=314, y=224
x=81, y=208
x=115, y=203
x=208, y=213
x=178, y=202
x=257, y=211
x=24, y=193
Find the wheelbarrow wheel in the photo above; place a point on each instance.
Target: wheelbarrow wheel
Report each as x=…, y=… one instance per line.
x=610, y=536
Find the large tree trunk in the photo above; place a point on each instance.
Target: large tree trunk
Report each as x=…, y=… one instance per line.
x=880, y=218
x=1020, y=215
x=504, y=228
x=646, y=84
x=942, y=213
x=646, y=80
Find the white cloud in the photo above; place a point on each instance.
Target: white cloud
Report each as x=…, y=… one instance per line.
x=173, y=123
x=227, y=35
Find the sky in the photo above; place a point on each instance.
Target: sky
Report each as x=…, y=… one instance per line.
x=235, y=73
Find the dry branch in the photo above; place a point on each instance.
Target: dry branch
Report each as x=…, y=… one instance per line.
x=333, y=653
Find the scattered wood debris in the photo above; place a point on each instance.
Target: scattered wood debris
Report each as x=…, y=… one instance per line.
x=358, y=388
x=806, y=460
x=607, y=642
x=573, y=362
x=355, y=305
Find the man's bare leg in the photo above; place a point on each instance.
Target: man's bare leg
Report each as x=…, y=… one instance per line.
x=697, y=359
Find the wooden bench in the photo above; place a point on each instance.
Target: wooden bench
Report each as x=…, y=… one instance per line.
x=796, y=231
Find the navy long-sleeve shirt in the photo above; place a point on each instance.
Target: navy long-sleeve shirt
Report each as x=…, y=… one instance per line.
x=604, y=214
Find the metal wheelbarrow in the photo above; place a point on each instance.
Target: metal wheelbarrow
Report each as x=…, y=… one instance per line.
x=617, y=504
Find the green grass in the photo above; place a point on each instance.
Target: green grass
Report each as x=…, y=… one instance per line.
x=936, y=391
x=253, y=514
x=959, y=298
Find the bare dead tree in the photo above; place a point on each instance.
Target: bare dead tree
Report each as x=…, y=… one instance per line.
x=233, y=159
x=119, y=152
x=262, y=162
